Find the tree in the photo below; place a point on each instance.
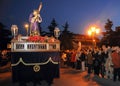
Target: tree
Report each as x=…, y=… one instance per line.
x=66, y=26
x=66, y=38
x=108, y=25
x=52, y=26
x=111, y=37
x=4, y=37
x=115, y=37
x=107, y=34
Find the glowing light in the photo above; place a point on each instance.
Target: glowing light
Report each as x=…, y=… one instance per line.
x=89, y=32
x=93, y=40
x=92, y=32
x=93, y=29
x=26, y=26
x=97, y=31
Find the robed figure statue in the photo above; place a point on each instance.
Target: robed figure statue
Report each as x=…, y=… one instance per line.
x=34, y=20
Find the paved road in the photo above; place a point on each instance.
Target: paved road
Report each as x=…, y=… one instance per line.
x=72, y=77
x=68, y=77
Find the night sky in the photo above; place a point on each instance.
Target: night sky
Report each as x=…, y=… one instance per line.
x=80, y=14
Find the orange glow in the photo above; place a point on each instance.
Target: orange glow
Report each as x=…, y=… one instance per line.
x=26, y=26
x=89, y=32
x=93, y=40
x=93, y=29
x=97, y=31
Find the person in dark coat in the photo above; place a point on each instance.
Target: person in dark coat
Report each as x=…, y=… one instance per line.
x=82, y=58
x=96, y=63
x=89, y=62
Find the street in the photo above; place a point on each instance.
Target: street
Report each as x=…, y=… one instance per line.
x=68, y=77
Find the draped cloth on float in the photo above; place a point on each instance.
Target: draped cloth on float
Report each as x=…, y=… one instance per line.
x=30, y=66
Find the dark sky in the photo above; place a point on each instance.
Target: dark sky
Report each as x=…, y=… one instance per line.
x=80, y=14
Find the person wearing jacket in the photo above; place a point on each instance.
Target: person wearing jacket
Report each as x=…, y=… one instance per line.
x=89, y=62
x=82, y=58
x=116, y=63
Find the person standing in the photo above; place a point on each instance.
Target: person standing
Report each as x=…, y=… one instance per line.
x=73, y=58
x=78, y=61
x=116, y=63
x=89, y=62
x=109, y=65
x=82, y=58
x=64, y=59
x=104, y=59
x=96, y=63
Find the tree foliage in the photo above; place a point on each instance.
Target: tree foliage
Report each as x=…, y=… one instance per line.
x=52, y=26
x=4, y=36
x=66, y=26
x=66, y=38
x=111, y=37
x=108, y=25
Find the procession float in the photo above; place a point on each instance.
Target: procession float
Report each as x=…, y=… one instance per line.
x=34, y=57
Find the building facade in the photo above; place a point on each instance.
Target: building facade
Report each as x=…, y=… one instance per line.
x=86, y=41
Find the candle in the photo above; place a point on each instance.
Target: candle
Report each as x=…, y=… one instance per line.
x=14, y=31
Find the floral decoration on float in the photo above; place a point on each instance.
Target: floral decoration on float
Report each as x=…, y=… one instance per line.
x=41, y=39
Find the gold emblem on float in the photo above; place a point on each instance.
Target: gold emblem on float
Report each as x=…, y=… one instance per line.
x=36, y=68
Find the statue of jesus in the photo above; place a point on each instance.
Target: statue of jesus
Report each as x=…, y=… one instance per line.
x=34, y=20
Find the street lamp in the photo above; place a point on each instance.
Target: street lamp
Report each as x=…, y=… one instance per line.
x=27, y=28
x=56, y=32
x=14, y=30
x=92, y=32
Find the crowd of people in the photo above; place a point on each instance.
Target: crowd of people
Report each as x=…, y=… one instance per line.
x=103, y=62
